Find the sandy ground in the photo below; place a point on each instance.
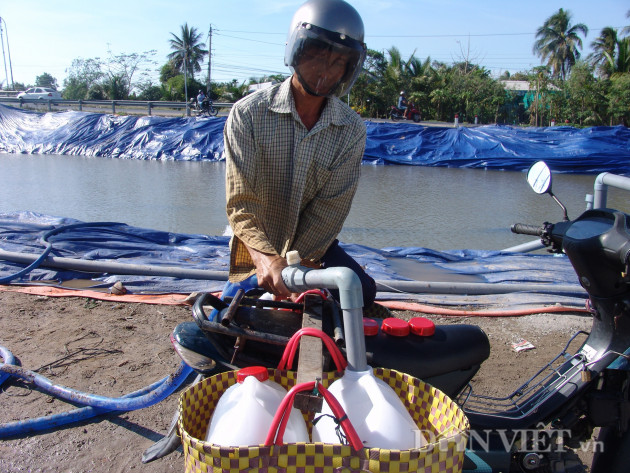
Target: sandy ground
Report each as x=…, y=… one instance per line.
x=110, y=348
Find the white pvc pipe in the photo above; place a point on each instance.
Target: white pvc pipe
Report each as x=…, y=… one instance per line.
x=115, y=268
x=353, y=300
x=298, y=278
x=602, y=181
x=471, y=288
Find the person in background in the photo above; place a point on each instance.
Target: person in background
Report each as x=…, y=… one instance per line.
x=293, y=155
x=402, y=103
x=200, y=98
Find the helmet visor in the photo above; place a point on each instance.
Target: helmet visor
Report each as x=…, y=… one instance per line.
x=327, y=63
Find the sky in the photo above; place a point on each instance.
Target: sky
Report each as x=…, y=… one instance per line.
x=248, y=36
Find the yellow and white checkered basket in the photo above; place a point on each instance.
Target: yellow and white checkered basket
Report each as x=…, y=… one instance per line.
x=435, y=414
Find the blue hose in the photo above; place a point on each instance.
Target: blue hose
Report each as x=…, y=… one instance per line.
x=97, y=405
x=8, y=359
x=166, y=387
x=21, y=427
x=48, y=247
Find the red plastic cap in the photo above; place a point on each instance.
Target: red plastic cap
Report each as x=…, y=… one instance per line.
x=422, y=326
x=370, y=327
x=395, y=327
x=259, y=372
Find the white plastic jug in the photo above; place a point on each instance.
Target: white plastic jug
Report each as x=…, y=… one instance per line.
x=374, y=409
x=246, y=409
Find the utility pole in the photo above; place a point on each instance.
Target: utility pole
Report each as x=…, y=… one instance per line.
x=208, y=86
x=186, y=81
x=3, y=55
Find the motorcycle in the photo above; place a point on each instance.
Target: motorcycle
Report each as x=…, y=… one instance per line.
x=205, y=108
x=534, y=429
x=412, y=113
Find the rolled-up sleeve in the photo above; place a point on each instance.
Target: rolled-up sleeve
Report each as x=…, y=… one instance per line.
x=243, y=205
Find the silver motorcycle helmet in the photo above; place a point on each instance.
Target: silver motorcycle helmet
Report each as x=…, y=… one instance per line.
x=325, y=47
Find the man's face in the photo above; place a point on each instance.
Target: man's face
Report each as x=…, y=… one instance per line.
x=322, y=69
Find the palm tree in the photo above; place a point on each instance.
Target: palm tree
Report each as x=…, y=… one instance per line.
x=603, y=47
x=619, y=61
x=626, y=29
x=558, y=42
x=188, y=52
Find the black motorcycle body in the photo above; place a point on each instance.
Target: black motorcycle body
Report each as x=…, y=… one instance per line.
x=447, y=360
x=585, y=387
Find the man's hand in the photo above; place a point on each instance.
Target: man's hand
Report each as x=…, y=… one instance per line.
x=269, y=272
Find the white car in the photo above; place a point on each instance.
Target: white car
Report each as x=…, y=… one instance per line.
x=41, y=93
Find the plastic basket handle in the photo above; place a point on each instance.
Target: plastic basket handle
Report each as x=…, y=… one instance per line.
x=289, y=352
x=280, y=420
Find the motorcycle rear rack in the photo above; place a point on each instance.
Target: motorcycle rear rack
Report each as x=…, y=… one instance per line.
x=550, y=379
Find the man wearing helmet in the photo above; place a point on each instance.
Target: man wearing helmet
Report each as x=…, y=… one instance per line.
x=293, y=154
x=402, y=103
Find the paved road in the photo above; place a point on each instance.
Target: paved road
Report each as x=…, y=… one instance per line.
x=167, y=112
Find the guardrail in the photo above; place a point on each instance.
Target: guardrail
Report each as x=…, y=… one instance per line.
x=109, y=104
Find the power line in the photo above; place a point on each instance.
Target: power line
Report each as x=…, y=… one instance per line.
x=249, y=39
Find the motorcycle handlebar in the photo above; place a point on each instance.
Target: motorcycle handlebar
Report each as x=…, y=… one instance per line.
x=526, y=229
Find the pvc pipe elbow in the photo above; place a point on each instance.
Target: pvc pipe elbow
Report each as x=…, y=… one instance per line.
x=349, y=286
x=299, y=278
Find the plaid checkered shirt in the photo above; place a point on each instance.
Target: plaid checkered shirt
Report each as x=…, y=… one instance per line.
x=288, y=188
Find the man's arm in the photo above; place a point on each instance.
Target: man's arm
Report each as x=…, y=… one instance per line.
x=243, y=205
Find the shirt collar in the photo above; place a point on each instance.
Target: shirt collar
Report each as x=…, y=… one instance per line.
x=333, y=112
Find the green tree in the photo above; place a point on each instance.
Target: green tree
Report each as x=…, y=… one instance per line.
x=367, y=95
x=46, y=80
x=619, y=61
x=233, y=91
x=585, y=100
x=422, y=80
x=626, y=30
x=168, y=71
x=122, y=72
x=82, y=75
x=538, y=101
x=151, y=92
x=176, y=90
x=440, y=97
x=603, y=46
x=558, y=42
x=619, y=99
x=188, y=52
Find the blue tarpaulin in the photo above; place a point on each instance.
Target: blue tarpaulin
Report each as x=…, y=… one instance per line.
x=566, y=149
x=22, y=232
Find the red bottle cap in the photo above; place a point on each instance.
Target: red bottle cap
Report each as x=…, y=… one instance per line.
x=395, y=327
x=370, y=327
x=259, y=372
x=422, y=326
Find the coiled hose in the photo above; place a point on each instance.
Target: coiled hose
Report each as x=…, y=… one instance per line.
x=97, y=405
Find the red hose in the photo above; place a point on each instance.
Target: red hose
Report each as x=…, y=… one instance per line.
x=426, y=309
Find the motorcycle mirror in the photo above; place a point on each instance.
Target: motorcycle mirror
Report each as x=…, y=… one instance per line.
x=539, y=177
x=198, y=362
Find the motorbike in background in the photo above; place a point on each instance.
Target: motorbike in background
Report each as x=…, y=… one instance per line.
x=205, y=108
x=536, y=428
x=412, y=113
